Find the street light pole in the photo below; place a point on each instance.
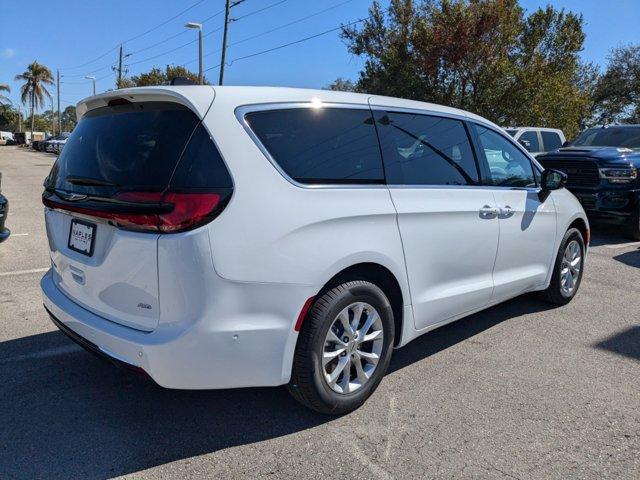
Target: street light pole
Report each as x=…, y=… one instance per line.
x=88, y=77
x=199, y=27
x=58, y=89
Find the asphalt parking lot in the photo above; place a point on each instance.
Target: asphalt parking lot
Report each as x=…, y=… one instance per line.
x=521, y=390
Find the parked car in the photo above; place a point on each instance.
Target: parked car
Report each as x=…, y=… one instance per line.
x=4, y=211
x=39, y=145
x=538, y=140
x=292, y=237
x=56, y=143
x=602, y=167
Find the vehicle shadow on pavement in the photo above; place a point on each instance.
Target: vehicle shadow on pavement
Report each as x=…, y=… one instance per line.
x=631, y=259
x=67, y=414
x=625, y=343
x=463, y=329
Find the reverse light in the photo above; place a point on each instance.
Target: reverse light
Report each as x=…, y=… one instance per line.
x=619, y=175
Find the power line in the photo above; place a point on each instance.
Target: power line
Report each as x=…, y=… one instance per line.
x=275, y=29
x=134, y=37
x=165, y=22
x=295, y=42
x=275, y=4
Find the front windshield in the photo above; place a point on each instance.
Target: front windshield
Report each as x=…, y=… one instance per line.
x=627, y=137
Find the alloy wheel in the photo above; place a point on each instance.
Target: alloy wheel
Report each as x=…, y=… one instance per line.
x=352, y=348
x=570, y=268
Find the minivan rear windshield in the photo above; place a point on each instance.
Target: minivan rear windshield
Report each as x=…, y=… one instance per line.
x=134, y=146
x=628, y=137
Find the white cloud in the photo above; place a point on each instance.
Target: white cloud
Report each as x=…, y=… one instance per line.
x=8, y=52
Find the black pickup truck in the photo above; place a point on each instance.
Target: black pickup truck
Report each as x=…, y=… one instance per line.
x=602, y=167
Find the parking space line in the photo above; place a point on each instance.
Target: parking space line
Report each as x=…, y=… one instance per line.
x=19, y=235
x=23, y=272
x=621, y=245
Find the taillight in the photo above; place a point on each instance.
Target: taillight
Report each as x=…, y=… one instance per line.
x=189, y=210
x=170, y=212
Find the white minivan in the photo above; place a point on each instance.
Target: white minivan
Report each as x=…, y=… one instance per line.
x=222, y=237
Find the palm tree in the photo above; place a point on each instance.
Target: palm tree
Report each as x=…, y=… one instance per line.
x=35, y=78
x=4, y=88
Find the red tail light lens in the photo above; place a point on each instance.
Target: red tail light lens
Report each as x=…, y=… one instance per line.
x=170, y=212
x=189, y=210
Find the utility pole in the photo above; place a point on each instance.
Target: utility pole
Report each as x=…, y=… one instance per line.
x=229, y=5
x=58, y=89
x=53, y=120
x=19, y=118
x=120, y=67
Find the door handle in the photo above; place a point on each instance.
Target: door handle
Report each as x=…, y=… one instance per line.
x=507, y=211
x=489, y=212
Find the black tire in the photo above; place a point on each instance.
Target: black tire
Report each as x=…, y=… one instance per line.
x=554, y=293
x=633, y=226
x=307, y=384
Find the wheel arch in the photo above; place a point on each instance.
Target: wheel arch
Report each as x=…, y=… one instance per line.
x=583, y=227
x=382, y=277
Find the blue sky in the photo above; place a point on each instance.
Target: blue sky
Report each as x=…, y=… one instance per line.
x=75, y=32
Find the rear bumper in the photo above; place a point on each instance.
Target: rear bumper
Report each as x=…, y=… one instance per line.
x=238, y=351
x=614, y=205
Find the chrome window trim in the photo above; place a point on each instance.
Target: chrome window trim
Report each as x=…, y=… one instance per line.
x=243, y=110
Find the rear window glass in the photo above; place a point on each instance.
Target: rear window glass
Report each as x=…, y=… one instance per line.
x=133, y=146
x=201, y=165
x=551, y=141
x=321, y=145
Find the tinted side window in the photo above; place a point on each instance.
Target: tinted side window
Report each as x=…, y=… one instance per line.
x=201, y=165
x=321, y=145
x=532, y=138
x=426, y=150
x=551, y=141
x=508, y=166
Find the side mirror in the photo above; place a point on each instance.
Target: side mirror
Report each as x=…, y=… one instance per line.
x=551, y=180
x=566, y=143
x=526, y=144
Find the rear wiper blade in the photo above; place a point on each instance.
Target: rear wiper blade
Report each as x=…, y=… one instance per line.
x=75, y=180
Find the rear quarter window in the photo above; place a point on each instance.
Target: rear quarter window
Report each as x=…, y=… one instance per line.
x=321, y=145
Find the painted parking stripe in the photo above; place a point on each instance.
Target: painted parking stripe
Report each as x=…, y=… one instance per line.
x=23, y=272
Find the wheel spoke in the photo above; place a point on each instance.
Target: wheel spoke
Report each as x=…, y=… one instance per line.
x=371, y=318
x=332, y=337
x=333, y=376
x=346, y=377
x=328, y=356
x=372, y=336
x=360, y=373
x=357, y=314
x=369, y=357
x=344, y=320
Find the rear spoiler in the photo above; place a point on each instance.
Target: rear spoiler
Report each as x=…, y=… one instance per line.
x=198, y=99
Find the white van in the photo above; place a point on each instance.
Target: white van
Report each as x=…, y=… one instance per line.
x=220, y=237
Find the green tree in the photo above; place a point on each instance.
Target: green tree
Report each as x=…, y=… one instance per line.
x=485, y=56
x=68, y=118
x=34, y=89
x=342, y=85
x=616, y=96
x=8, y=118
x=4, y=88
x=157, y=76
